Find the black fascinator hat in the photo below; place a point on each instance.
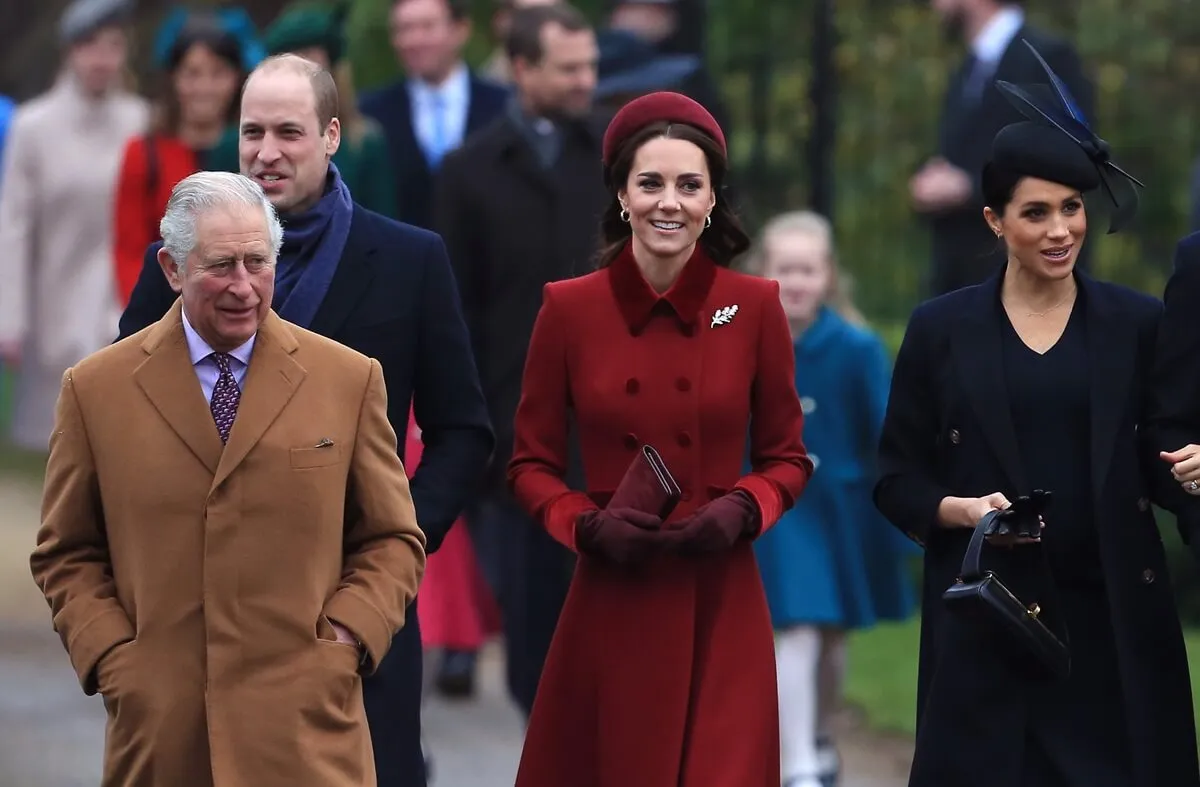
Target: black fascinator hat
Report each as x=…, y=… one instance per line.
x=1057, y=144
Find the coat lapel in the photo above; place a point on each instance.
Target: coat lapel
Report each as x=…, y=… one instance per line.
x=977, y=351
x=169, y=382
x=271, y=380
x=1112, y=344
x=350, y=281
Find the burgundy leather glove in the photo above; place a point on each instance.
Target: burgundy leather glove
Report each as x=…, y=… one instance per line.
x=716, y=526
x=624, y=536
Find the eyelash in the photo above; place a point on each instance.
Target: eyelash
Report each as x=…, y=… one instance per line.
x=1037, y=213
x=648, y=184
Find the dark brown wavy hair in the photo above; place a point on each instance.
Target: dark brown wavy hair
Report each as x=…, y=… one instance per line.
x=724, y=240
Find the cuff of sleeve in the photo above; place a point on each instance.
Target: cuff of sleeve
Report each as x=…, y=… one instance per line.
x=366, y=623
x=764, y=494
x=560, y=515
x=97, y=637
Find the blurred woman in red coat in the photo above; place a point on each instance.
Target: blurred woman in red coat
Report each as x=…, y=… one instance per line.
x=661, y=671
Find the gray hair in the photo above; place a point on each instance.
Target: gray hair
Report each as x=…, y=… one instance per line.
x=204, y=191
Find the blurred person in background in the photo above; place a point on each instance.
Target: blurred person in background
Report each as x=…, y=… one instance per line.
x=316, y=31
x=832, y=563
x=1041, y=378
x=661, y=671
x=436, y=105
x=538, y=165
x=380, y=287
x=630, y=66
x=202, y=63
x=497, y=67
x=946, y=190
x=672, y=27
x=59, y=302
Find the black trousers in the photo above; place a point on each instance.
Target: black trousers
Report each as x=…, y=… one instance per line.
x=393, y=701
x=529, y=573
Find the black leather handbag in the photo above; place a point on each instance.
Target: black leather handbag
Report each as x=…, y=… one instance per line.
x=980, y=598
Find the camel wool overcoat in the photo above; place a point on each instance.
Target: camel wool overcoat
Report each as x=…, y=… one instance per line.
x=194, y=583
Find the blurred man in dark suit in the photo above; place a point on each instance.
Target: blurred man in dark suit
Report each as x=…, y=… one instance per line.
x=946, y=189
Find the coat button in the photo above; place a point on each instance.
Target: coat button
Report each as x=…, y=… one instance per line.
x=631, y=441
x=955, y=436
x=1143, y=504
x=631, y=386
x=685, y=495
x=683, y=384
x=684, y=439
x=1148, y=576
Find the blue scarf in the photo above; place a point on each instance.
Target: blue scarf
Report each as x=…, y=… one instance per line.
x=312, y=246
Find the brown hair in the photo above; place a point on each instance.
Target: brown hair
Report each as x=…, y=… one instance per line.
x=198, y=32
x=325, y=92
x=723, y=240
x=525, y=32
x=807, y=222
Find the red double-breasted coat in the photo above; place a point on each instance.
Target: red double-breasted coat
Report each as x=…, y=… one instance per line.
x=666, y=675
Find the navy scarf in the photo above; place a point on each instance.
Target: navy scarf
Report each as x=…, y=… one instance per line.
x=312, y=246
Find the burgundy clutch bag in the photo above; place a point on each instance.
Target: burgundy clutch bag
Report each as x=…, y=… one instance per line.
x=647, y=486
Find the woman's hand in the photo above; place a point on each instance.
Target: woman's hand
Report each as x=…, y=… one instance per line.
x=1185, y=466
x=967, y=511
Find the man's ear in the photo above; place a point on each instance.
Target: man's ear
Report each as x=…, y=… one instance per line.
x=170, y=270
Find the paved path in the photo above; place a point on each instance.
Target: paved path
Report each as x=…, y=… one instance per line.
x=51, y=735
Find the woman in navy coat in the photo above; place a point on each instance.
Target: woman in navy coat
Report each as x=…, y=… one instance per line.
x=832, y=563
x=1038, y=379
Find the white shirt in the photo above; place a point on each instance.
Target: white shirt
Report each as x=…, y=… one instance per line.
x=206, y=367
x=989, y=46
x=454, y=96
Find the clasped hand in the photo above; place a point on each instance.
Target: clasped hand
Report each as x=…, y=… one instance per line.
x=629, y=537
x=968, y=511
x=1185, y=467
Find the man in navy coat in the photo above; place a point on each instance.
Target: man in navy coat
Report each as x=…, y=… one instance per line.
x=380, y=287
x=436, y=106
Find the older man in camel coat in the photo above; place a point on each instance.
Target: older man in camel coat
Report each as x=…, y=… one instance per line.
x=228, y=540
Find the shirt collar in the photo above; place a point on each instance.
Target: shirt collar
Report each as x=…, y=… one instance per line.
x=997, y=34
x=638, y=301
x=198, y=349
x=455, y=90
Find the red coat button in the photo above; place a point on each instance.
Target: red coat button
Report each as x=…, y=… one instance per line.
x=683, y=384
x=684, y=439
x=631, y=441
x=631, y=386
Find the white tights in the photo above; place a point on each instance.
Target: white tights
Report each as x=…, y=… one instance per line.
x=810, y=664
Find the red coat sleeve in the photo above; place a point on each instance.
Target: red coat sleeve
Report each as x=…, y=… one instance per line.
x=133, y=217
x=780, y=464
x=539, y=458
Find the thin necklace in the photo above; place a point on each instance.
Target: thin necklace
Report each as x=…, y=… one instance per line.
x=1065, y=298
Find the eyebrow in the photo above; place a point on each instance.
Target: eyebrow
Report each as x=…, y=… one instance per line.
x=1043, y=203
x=682, y=175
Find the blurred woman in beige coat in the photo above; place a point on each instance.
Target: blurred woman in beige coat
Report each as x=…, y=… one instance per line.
x=57, y=294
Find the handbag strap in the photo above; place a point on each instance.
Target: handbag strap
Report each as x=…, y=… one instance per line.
x=970, y=565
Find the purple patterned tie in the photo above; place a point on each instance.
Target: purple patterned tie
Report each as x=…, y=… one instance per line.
x=225, y=397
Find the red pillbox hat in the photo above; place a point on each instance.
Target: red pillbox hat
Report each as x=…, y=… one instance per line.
x=658, y=108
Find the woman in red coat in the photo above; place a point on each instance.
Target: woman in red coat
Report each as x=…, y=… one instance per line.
x=662, y=670
x=202, y=69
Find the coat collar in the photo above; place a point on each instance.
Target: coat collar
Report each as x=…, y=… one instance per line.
x=169, y=381
x=1112, y=344
x=638, y=301
x=828, y=325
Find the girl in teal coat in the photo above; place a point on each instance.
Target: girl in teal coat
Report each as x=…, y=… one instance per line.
x=831, y=563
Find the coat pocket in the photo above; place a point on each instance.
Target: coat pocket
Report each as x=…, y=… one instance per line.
x=307, y=458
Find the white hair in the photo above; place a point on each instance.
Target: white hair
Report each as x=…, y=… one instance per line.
x=202, y=192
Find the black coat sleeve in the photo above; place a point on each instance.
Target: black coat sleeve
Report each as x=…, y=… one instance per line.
x=1174, y=411
x=152, y=296
x=448, y=404
x=907, y=493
